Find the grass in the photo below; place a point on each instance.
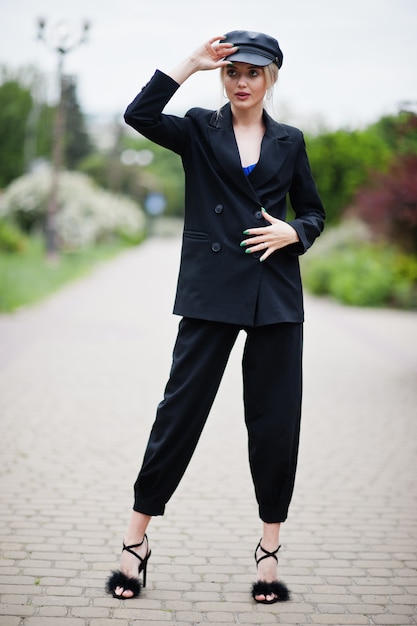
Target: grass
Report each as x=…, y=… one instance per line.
x=27, y=277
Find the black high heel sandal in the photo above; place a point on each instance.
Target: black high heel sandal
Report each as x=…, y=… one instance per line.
x=129, y=583
x=275, y=588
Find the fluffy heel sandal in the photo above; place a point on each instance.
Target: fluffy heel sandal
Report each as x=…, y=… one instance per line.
x=129, y=583
x=278, y=590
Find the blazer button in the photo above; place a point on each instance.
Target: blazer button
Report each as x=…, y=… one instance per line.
x=258, y=215
x=219, y=209
x=215, y=246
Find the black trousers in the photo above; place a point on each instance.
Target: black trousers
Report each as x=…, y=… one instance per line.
x=272, y=382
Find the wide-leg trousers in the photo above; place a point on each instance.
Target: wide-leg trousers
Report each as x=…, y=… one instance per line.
x=272, y=389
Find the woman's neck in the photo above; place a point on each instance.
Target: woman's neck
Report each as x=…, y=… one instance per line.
x=247, y=118
x=249, y=130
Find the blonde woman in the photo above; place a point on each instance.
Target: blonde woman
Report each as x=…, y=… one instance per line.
x=239, y=271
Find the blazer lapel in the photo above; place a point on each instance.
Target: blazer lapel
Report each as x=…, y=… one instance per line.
x=224, y=146
x=274, y=151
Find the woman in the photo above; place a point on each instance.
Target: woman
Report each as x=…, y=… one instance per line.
x=239, y=166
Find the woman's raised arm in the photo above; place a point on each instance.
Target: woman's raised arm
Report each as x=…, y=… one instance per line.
x=209, y=56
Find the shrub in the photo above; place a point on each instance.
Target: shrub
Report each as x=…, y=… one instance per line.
x=361, y=274
x=341, y=162
x=11, y=239
x=86, y=213
x=389, y=204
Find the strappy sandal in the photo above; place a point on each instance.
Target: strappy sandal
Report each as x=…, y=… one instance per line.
x=277, y=589
x=129, y=583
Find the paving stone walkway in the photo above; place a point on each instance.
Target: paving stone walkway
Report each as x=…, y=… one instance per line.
x=80, y=377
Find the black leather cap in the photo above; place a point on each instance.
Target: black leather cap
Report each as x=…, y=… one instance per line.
x=255, y=48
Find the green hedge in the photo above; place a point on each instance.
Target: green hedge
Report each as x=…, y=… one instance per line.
x=11, y=238
x=363, y=274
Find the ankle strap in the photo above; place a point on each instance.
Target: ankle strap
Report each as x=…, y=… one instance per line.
x=135, y=545
x=266, y=554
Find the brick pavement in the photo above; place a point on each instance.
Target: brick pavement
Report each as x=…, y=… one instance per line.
x=80, y=376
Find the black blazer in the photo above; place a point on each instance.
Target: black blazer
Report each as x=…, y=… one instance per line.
x=218, y=281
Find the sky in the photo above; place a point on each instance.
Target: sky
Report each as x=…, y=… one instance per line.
x=346, y=64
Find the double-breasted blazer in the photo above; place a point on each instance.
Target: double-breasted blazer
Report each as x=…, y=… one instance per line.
x=217, y=280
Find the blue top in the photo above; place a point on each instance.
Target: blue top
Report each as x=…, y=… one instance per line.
x=247, y=170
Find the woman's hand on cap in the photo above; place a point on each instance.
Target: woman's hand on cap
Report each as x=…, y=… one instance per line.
x=212, y=53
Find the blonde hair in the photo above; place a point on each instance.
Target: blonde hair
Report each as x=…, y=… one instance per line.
x=271, y=73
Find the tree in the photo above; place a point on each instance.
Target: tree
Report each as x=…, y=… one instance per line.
x=26, y=123
x=341, y=162
x=389, y=204
x=77, y=141
x=15, y=105
x=398, y=132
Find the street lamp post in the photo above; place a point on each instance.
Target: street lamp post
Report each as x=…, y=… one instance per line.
x=62, y=39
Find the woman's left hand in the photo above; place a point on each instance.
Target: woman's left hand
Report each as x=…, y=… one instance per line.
x=268, y=239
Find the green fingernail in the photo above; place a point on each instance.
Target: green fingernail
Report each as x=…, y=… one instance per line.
x=246, y=232
x=248, y=250
x=242, y=243
x=262, y=209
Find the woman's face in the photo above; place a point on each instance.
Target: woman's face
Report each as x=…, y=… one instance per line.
x=245, y=85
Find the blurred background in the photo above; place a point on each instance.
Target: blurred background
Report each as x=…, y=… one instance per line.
x=77, y=185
